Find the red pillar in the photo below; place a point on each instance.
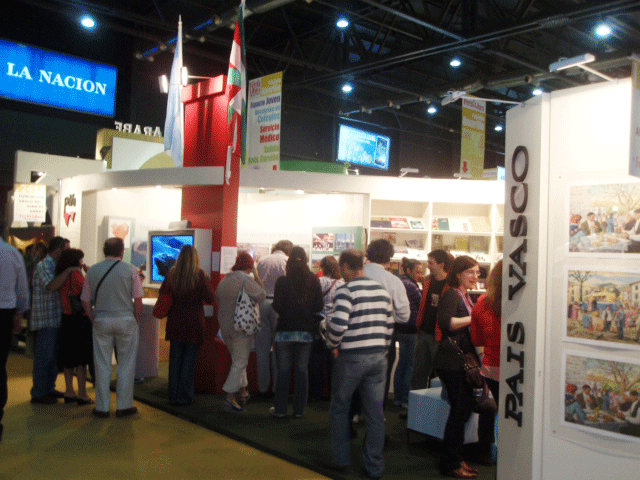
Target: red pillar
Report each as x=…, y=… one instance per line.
x=213, y=207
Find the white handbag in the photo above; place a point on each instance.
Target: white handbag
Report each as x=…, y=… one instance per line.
x=246, y=319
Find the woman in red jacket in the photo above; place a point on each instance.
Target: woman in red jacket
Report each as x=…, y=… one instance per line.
x=485, y=328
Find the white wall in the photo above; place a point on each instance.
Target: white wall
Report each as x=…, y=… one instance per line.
x=267, y=218
x=149, y=208
x=589, y=141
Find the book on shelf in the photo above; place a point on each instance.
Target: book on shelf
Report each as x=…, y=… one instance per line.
x=416, y=224
x=442, y=223
x=461, y=243
x=399, y=222
x=379, y=222
x=414, y=243
x=478, y=244
x=437, y=242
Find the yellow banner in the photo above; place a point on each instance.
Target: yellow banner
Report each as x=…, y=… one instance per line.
x=473, y=135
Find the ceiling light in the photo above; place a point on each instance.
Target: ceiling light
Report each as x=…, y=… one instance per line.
x=603, y=30
x=342, y=23
x=347, y=88
x=565, y=63
x=163, y=80
x=498, y=128
x=431, y=110
x=87, y=22
x=537, y=91
x=455, y=62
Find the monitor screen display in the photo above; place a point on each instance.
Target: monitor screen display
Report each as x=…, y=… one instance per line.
x=165, y=249
x=360, y=147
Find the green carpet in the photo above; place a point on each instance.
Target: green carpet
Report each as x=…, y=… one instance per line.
x=304, y=442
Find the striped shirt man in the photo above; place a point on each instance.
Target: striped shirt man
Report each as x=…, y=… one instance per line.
x=362, y=319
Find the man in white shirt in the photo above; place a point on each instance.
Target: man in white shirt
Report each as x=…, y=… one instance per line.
x=14, y=300
x=270, y=269
x=379, y=253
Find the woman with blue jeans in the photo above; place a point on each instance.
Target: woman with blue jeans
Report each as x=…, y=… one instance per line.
x=297, y=298
x=406, y=333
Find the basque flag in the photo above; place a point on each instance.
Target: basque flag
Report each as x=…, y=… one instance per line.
x=236, y=93
x=174, y=122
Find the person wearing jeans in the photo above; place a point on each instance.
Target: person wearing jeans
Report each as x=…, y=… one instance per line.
x=297, y=299
x=288, y=354
x=360, y=363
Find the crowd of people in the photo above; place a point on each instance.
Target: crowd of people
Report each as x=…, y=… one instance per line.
x=346, y=320
x=343, y=325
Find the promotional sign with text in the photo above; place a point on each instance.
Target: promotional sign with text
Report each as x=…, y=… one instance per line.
x=29, y=202
x=474, y=114
x=263, y=122
x=39, y=76
x=634, y=160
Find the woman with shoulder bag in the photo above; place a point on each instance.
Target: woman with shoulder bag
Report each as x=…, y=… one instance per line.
x=238, y=342
x=76, y=343
x=190, y=289
x=454, y=318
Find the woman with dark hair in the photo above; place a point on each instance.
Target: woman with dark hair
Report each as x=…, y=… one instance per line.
x=76, y=344
x=296, y=298
x=190, y=289
x=238, y=343
x=406, y=333
x=320, y=360
x=454, y=318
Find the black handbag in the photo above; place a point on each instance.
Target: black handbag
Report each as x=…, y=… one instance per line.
x=76, y=305
x=482, y=400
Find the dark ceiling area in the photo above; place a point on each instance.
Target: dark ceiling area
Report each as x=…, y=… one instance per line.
x=395, y=53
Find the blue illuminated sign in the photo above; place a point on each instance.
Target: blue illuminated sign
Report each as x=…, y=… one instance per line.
x=39, y=76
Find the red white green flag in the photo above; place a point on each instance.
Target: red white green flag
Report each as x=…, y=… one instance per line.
x=237, y=94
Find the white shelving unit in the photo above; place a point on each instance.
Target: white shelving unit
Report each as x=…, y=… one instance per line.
x=473, y=229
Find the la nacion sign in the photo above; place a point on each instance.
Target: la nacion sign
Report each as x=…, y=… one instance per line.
x=34, y=75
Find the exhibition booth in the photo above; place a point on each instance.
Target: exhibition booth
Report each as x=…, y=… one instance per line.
x=567, y=155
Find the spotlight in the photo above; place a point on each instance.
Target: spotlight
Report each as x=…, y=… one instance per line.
x=603, y=30
x=432, y=110
x=347, y=88
x=342, y=23
x=498, y=128
x=87, y=22
x=537, y=91
x=455, y=62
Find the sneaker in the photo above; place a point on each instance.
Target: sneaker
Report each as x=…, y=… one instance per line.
x=273, y=413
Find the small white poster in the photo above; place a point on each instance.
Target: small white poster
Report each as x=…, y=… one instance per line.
x=29, y=202
x=227, y=259
x=263, y=123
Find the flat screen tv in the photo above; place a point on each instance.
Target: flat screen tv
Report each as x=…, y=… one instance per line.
x=361, y=147
x=164, y=250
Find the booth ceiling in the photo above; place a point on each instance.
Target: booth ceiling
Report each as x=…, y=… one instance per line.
x=396, y=53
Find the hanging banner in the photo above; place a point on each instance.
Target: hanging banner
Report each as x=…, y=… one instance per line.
x=634, y=159
x=263, y=122
x=29, y=202
x=474, y=114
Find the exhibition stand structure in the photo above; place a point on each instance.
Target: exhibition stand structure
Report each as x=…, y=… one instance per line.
x=569, y=239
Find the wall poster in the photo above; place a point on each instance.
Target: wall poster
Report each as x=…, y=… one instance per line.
x=333, y=240
x=604, y=219
x=263, y=122
x=600, y=395
x=603, y=307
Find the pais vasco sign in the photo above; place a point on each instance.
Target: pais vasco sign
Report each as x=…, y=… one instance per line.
x=34, y=75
